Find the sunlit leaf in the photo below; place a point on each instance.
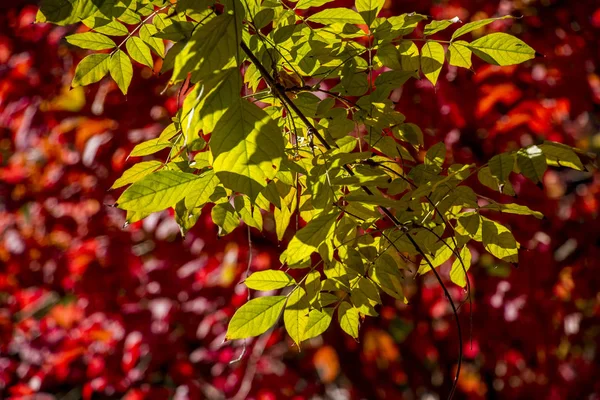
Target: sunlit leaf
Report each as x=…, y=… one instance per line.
x=90, y=70
x=432, y=59
x=247, y=148
x=136, y=172
x=91, y=41
x=348, y=318
x=459, y=269
x=139, y=51
x=501, y=49
x=268, y=280
x=121, y=70
x=471, y=26
x=337, y=15
x=295, y=315
x=255, y=317
x=157, y=191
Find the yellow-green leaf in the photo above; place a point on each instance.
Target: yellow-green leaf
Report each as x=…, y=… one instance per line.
x=437, y=26
x=386, y=273
x=436, y=155
x=247, y=147
x=409, y=56
x=501, y=49
x=211, y=47
x=459, y=54
x=365, y=296
x=336, y=15
x=135, y=173
x=308, y=239
x=471, y=26
x=269, y=280
x=149, y=147
x=157, y=191
x=458, y=271
x=91, y=41
x=369, y=9
x=560, y=155
x=147, y=32
x=501, y=165
x=295, y=315
x=139, y=51
x=318, y=322
x=348, y=318
x=225, y=217
x=203, y=188
x=499, y=241
x=304, y=4
x=255, y=317
x=532, y=163
x=432, y=59
x=121, y=70
x=513, y=209
x=90, y=70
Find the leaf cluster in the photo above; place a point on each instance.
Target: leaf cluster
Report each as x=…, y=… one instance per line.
x=289, y=118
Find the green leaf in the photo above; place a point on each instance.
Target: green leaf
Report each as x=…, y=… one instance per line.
x=106, y=26
x=308, y=239
x=409, y=56
x=318, y=322
x=369, y=9
x=66, y=12
x=203, y=189
x=459, y=54
x=269, y=280
x=304, y=4
x=90, y=70
x=486, y=178
x=501, y=166
x=532, y=163
x=312, y=285
x=211, y=47
x=365, y=296
x=458, y=272
x=255, y=317
x=501, y=49
x=348, y=318
x=498, y=241
x=440, y=256
x=135, y=173
x=436, y=155
x=337, y=15
x=157, y=191
x=150, y=147
x=471, y=26
x=437, y=26
x=139, y=51
x=295, y=315
x=121, y=70
x=432, y=59
x=147, y=32
x=513, y=209
x=561, y=156
x=247, y=147
x=208, y=101
x=386, y=274
x=402, y=25
x=249, y=214
x=225, y=217
x=185, y=218
x=91, y=41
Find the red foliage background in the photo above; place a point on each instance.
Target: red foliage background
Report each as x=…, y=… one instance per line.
x=90, y=309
